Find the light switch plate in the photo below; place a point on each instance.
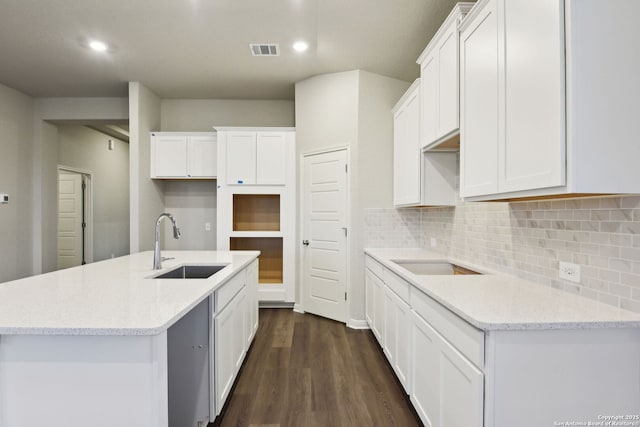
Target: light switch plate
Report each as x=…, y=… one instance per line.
x=4, y=199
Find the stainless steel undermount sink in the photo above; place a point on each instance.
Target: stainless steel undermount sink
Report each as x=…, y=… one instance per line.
x=431, y=267
x=191, y=272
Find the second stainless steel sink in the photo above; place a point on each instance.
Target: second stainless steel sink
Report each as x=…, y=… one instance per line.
x=429, y=267
x=191, y=272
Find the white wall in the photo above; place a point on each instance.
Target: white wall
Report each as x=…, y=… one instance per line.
x=146, y=194
x=326, y=116
x=352, y=109
x=192, y=204
x=45, y=157
x=83, y=148
x=201, y=115
x=372, y=166
x=16, y=178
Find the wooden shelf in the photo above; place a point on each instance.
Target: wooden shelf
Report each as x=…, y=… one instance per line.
x=256, y=212
x=270, y=261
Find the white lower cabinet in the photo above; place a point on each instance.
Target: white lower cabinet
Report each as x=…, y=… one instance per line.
x=252, y=308
x=457, y=375
x=397, y=323
x=229, y=338
x=437, y=357
x=235, y=322
x=447, y=389
x=375, y=305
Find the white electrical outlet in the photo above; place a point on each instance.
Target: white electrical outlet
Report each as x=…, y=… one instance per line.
x=569, y=271
x=207, y=226
x=433, y=242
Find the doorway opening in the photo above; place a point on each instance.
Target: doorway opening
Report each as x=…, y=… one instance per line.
x=75, y=217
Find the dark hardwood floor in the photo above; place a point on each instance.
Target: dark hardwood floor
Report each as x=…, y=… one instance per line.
x=304, y=370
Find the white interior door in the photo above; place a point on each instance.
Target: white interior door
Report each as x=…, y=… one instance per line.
x=70, y=238
x=324, y=204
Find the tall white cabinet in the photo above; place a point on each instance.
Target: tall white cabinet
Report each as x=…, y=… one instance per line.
x=256, y=203
x=558, y=120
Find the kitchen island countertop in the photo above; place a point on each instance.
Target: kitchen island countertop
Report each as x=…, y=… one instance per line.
x=112, y=297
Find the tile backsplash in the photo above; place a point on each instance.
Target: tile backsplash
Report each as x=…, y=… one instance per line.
x=529, y=239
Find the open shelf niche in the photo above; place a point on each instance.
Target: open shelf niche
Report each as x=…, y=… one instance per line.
x=256, y=212
x=270, y=260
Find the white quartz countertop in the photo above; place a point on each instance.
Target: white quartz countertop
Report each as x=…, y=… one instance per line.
x=113, y=297
x=502, y=302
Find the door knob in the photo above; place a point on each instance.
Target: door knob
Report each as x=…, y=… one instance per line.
x=305, y=242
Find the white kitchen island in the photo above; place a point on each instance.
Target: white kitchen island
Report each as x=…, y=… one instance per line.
x=92, y=345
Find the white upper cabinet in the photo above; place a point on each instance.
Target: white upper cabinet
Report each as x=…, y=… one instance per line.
x=406, y=148
x=271, y=158
x=241, y=158
x=440, y=89
x=202, y=152
x=256, y=157
x=179, y=155
x=549, y=98
x=479, y=109
x=419, y=178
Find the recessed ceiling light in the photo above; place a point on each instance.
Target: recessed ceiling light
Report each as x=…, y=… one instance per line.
x=300, y=46
x=98, y=46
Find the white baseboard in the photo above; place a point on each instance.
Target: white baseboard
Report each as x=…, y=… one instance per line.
x=357, y=324
x=298, y=308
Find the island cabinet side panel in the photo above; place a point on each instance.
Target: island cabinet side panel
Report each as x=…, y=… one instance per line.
x=75, y=381
x=541, y=377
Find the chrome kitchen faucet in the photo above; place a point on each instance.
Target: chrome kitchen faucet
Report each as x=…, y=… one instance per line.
x=157, y=258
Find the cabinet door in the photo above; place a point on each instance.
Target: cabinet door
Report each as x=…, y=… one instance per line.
x=429, y=99
x=375, y=305
x=378, y=317
x=369, y=299
x=532, y=153
x=169, y=156
x=406, y=152
x=446, y=389
x=202, y=157
x=271, y=158
x=461, y=386
x=241, y=158
x=425, y=375
x=448, y=82
x=403, y=349
x=397, y=344
x=390, y=326
x=479, y=115
x=252, y=302
x=229, y=346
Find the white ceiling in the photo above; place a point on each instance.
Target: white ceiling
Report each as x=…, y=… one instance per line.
x=199, y=48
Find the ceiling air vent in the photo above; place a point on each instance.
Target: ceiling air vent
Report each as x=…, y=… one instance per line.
x=264, y=49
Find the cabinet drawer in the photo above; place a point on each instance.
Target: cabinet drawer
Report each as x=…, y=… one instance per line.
x=373, y=265
x=397, y=285
x=229, y=290
x=465, y=338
